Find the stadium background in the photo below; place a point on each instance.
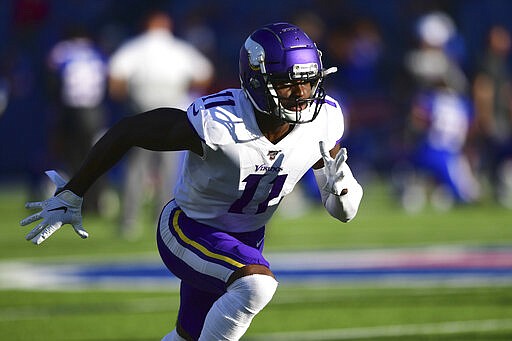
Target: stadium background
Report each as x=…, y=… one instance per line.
x=29, y=28
x=386, y=275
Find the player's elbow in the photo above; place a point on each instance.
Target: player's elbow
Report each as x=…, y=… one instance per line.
x=344, y=215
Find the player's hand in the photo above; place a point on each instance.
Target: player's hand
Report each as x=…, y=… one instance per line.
x=334, y=170
x=63, y=208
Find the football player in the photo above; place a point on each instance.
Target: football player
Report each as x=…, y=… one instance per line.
x=246, y=149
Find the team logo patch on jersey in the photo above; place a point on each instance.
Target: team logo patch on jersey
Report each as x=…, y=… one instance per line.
x=265, y=168
x=272, y=154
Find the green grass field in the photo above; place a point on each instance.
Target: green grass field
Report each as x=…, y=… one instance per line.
x=323, y=312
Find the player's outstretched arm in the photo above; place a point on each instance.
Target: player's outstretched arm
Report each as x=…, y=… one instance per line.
x=163, y=129
x=159, y=129
x=340, y=191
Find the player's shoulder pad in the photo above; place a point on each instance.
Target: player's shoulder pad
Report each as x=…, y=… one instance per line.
x=336, y=120
x=217, y=118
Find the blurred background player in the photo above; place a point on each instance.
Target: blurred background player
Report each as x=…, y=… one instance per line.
x=154, y=69
x=440, y=118
x=78, y=87
x=440, y=121
x=492, y=93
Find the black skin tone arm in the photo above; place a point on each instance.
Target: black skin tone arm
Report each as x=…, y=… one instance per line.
x=162, y=129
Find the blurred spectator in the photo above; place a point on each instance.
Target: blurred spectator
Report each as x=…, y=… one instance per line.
x=154, y=69
x=492, y=90
x=78, y=83
x=439, y=122
x=430, y=61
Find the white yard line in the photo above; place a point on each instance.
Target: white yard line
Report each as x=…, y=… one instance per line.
x=441, y=328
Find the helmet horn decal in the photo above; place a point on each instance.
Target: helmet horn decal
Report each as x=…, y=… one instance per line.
x=256, y=54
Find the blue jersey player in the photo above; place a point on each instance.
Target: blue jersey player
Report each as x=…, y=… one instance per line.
x=246, y=149
x=442, y=118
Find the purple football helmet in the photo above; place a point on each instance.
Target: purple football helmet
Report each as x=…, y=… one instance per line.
x=282, y=52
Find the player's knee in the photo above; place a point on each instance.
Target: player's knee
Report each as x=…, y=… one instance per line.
x=253, y=292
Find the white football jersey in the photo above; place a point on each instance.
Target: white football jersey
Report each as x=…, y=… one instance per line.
x=238, y=183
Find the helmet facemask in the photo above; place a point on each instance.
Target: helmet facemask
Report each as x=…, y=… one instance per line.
x=296, y=110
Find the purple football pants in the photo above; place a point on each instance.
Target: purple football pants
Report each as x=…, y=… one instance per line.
x=203, y=258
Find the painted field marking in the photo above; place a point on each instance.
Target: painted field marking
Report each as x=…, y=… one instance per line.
x=441, y=328
x=449, y=265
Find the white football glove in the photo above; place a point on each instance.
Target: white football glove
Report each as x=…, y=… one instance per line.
x=63, y=208
x=333, y=170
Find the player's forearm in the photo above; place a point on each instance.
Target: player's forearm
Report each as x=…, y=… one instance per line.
x=342, y=207
x=103, y=156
